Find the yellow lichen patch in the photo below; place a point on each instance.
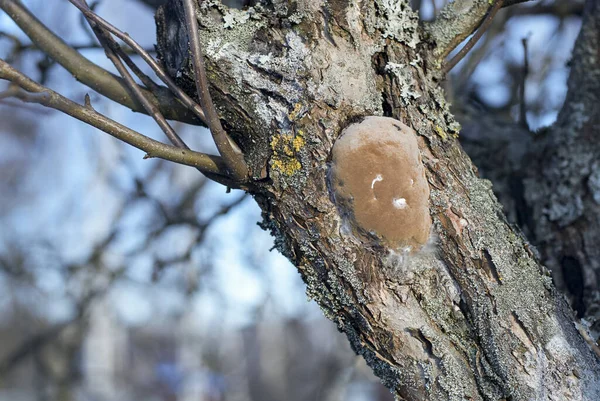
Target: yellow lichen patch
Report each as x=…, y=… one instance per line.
x=287, y=167
x=440, y=132
x=297, y=109
x=298, y=142
x=285, y=151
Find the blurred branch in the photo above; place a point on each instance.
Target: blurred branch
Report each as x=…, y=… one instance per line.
x=35, y=93
x=557, y=8
x=475, y=38
x=36, y=342
x=231, y=153
x=202, y=227
x=457, y=20
x=525, y=72
x=31, y=345
x=87, y=72
x=489, y=42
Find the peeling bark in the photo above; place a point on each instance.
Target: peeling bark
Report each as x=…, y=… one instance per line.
x=473, y=315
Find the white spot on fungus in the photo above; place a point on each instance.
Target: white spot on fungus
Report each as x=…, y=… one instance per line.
x=377, y=179
x=399, y=203
x=382, y=147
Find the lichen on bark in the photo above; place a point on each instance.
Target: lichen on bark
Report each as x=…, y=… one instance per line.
x=475, y=316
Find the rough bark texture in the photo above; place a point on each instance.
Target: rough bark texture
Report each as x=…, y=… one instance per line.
x=549, y=181
x=562, y=186
x=473, y=315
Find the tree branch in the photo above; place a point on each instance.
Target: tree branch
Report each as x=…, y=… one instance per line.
x=33, y=92
x=475, y=317
x=230, y=152
x=560, y=9
x=89, y=73
x=111, y=48
x=475, y=38
x=156, y=67
x=456, y=21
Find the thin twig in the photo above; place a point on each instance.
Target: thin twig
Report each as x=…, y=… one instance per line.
x=35, y=93
x=90, y=46
x=111, y=48
x=231, y=154
x=560, y=9
x=156, y=67
x=435, y=9
x=85, y=24
x=475, y=38
x=144, y=78
x=10, y=92
x=456, y=21
x=87, y=72
x=486, y=46
x=523, y=105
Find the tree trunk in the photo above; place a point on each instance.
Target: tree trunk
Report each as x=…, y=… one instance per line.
x=562, y=180
x=549, y=181
x=472, y=314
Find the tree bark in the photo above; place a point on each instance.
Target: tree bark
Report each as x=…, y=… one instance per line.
x=472, y=315
x=548, y=182
x=562, y=180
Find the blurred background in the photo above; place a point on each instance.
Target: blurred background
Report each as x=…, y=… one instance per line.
x=131, y=279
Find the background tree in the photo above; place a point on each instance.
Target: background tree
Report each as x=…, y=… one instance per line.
x=473, y=314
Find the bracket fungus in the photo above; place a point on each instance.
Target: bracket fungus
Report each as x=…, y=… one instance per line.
x=378, y=180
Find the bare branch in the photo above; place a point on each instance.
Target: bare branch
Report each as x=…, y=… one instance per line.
x=230, y=152
x=122, y=54
x=456, y=21
x=33, y=344
x=559, y=8
x=156, y=67
x=509, y=3
x=35, y=93
x=473, y=41
x=522, y=102
x=89, y=73
x=111, y=49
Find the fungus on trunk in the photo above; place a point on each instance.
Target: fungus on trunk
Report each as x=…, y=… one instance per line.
x=379, y=184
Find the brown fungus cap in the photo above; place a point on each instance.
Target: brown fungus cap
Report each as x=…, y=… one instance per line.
x=378, y=175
